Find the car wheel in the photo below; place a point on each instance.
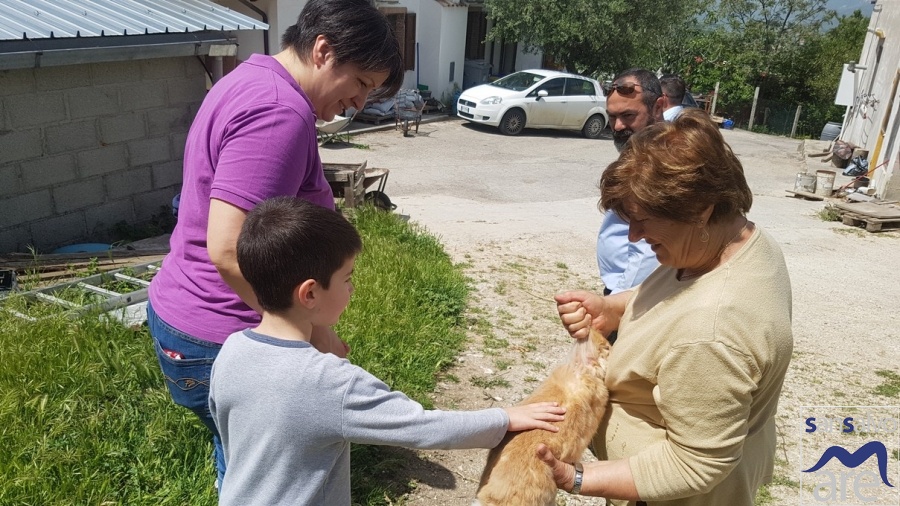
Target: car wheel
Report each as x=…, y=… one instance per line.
x=513, y=122
x=594, y=127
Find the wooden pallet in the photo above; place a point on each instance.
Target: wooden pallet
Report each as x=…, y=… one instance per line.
x=874, y=216
x=871, y=224
x=376, y=119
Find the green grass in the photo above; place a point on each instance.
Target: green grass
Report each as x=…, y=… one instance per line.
x=85, y=417
x=830, y=212
x=890, y=386
x=488, y=382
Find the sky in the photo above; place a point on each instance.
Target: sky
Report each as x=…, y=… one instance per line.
x=845, y=7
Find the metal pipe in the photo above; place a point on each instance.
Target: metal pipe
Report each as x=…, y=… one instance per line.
x=264, y=18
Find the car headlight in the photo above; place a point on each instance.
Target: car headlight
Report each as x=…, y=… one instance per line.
x=492, y=101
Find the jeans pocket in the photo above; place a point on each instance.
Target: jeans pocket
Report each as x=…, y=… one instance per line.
x=187, y=380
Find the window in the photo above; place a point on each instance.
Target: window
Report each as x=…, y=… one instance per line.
x=476, y=32
x=576, y=86
x=404, y=27
x=554, y=87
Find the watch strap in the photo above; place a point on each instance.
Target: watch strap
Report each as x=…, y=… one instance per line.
x=579, y=477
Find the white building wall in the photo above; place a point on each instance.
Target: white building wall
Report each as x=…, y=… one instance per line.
x=526, y=61
x=886, y=177
x=428, y=36
x=875, y=87
x=440, y=33
x=453, y=49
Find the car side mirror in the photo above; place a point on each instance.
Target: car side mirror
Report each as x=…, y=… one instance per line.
x=542, y=94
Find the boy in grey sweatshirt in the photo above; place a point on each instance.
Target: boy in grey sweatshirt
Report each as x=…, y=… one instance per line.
x=286, y=412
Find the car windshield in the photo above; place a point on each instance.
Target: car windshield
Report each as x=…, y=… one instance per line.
x=689, y=100
x=518, y=81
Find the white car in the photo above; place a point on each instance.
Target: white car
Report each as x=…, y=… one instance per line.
x=537, y=99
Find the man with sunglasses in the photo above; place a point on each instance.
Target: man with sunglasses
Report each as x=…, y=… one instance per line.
x=634, y=101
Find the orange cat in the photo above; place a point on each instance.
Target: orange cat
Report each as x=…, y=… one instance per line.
x=513, y=475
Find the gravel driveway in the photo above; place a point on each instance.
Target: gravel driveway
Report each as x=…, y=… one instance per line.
x=520, y=214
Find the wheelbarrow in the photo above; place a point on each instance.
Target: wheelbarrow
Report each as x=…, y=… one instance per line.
x=349, y=181
x=334, y=130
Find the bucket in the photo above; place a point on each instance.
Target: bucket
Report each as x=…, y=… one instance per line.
x=805, y=182
x=824, y=182
x=728, y=124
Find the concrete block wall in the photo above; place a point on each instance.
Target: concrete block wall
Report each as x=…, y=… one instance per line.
x=84, y=147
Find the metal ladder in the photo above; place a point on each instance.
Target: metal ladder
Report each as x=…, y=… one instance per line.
x=126, y=306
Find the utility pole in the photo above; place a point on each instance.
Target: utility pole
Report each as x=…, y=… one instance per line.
x=712, y=110
x=753, y=109
x=796, y=120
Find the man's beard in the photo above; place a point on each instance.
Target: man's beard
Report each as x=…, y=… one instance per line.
x=620, y=137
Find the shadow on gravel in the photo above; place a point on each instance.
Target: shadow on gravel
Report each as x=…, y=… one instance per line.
x=383, y=471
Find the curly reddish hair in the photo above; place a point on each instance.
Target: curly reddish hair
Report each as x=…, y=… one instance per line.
x=676, y=170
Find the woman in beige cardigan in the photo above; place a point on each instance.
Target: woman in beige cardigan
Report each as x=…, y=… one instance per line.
x=704, y=342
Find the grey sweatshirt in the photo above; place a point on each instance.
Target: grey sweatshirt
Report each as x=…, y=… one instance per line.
x=287, y=415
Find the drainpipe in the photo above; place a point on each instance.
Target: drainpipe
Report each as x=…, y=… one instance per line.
x=264, y=18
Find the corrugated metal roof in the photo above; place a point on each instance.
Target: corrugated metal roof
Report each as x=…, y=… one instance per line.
x=42, y=19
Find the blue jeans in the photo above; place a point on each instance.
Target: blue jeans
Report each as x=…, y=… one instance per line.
x=187, y=368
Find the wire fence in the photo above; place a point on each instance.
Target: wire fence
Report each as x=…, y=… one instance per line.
x=777, y=118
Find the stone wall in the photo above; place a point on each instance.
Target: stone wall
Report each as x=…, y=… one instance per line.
x=83, y=147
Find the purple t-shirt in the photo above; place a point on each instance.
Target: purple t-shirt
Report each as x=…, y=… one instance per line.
x=254, y=137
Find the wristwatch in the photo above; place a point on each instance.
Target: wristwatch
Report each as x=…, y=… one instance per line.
x=579, y=476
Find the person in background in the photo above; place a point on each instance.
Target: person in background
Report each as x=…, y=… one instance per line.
x=254, y=137
x=673, y=89
x=634, y=101
x=704, y=342
x=286, y=412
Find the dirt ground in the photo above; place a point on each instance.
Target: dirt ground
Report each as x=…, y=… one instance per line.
x=519, y=213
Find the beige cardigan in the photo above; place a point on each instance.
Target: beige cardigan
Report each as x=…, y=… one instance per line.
x=695, y=377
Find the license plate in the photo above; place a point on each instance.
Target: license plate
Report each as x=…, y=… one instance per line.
x=464, y=109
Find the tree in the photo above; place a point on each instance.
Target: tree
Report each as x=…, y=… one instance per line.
x=824, y=57
x=821, y=63
x=586, y=36
x=764, y=43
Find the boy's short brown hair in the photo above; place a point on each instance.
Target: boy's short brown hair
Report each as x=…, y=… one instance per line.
x=285, y=241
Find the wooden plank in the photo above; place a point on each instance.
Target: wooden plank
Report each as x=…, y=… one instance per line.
x=50, y=267
x=74, y=257
x=805, y=195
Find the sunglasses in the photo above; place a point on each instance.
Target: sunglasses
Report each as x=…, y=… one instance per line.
x=623, y=89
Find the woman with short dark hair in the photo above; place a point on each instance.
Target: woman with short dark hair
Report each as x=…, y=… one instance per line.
x=704, y=342
x=254, y=137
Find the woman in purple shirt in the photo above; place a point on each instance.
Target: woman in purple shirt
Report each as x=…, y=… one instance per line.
x=254, y=137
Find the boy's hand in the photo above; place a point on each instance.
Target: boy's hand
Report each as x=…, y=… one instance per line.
x=535, y=416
